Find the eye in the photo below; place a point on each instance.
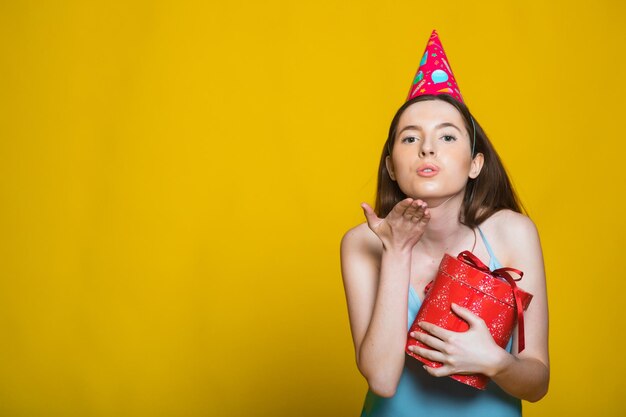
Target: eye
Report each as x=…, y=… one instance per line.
x=409, y=139
x=448, y=138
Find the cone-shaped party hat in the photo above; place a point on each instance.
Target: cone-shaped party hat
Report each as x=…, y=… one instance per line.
x=434, y=75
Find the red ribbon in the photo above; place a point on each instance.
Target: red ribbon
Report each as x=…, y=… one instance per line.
x=471, y=259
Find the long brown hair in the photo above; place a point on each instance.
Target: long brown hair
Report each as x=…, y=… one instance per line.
x=484, y=195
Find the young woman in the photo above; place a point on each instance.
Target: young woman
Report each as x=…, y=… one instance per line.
x=442, y=189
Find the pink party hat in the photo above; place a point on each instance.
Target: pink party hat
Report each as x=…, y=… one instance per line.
x=434, y=75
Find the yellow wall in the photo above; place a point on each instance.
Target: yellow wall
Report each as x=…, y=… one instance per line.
x=175, y=178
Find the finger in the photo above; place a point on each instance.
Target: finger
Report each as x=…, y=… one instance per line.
x=421, y=210
x=440, y=371
x=471, y=318
x=429, y=340
x=413, y=210
x=416, y=219
x=401, y=207
x=426, y=217
x=430, y=354
x=370, y=215
x=438, y=332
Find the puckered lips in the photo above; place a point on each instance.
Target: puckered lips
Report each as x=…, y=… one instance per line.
x=427, y=170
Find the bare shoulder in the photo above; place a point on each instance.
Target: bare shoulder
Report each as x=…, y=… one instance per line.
x=360, y=238
x=361, y=254
x=507, y=226
x=513, y=236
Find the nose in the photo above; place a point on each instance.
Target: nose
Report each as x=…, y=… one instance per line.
x=427, y=148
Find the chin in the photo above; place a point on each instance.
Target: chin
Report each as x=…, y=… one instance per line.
x=435, y=199
x=428, y=194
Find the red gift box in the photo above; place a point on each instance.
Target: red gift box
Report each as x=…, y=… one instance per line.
x=491, y=295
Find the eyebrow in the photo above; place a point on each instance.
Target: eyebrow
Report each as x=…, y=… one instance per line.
x=439, y=126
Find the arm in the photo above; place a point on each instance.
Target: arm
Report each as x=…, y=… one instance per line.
x=377, y=290
x=526, y=375
x=523, y=375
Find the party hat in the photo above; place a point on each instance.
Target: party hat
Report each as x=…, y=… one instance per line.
x=434, y=75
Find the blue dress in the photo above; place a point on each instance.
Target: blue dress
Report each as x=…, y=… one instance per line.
x=421, y=394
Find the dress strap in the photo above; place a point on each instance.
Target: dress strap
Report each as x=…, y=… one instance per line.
x=493, y=261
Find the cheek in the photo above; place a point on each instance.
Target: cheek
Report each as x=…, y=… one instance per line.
x=401, y=164
x=463, y=170
x=459, y=161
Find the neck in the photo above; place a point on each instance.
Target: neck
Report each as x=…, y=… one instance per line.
x=444, y=230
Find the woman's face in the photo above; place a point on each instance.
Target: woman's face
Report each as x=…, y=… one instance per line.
x=431, y=157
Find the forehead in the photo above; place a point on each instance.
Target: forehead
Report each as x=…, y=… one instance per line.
x=430, y=113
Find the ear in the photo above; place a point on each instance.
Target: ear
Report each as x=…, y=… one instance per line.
x=389, y=165
x=477, y=165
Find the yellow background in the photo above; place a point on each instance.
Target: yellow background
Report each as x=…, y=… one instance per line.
x=176, y=177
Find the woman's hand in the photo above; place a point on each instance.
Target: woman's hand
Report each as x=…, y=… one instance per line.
x=471, y=352
x=404, y=225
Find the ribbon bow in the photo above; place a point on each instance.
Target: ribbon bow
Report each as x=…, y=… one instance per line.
x=503, y=273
